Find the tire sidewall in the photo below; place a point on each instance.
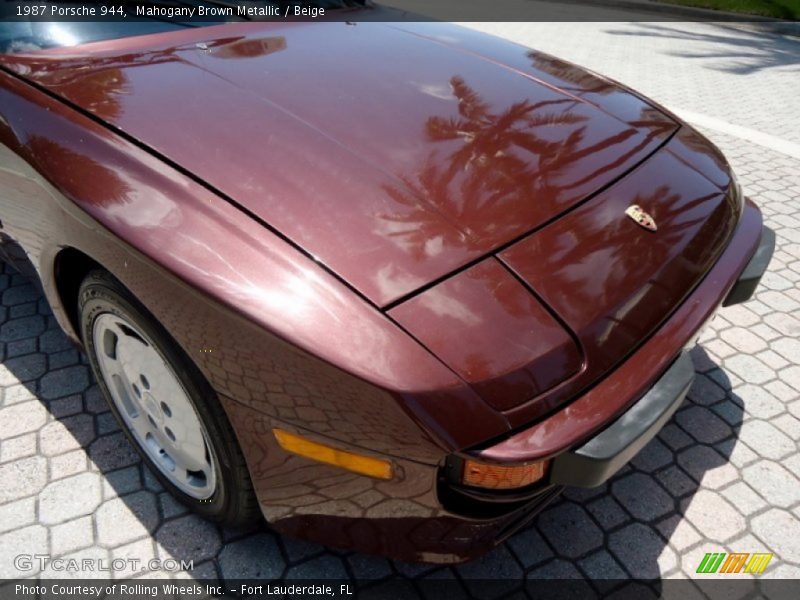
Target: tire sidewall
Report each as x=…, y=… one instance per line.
x=98, y=296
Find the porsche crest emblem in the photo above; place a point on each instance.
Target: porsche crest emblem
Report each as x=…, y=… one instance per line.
x=635, y=212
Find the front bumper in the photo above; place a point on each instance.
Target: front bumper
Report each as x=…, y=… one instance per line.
x=603, y=455
x=599, y=458
x=591, y=462
x=748, y=281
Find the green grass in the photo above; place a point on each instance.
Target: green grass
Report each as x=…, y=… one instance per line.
x=781, y=9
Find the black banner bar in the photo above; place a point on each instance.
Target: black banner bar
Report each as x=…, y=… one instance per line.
x=214, y=11
x=713, y=588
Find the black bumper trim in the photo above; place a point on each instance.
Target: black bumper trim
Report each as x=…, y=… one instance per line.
x=747, y=283
x=603, y=455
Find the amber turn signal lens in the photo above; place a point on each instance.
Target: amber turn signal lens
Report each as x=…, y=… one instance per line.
x=358, y=463
x=501, y=477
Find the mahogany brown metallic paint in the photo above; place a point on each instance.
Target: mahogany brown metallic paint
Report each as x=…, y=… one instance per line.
x=406, y=518
x=122, y=193
x=485, y=325
x=389, y=109
x=267, y=239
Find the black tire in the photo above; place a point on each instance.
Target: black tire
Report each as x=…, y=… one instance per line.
x=233, y=501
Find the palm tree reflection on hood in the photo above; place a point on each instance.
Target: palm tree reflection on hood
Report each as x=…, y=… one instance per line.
x=508, y=171
x=499, y=163
x=490, y=140
x=575, y=81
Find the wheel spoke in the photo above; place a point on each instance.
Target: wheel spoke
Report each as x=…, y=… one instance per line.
x=140, y=425
x=192, y=457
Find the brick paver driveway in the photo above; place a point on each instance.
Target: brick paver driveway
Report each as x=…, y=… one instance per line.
x=722, y=476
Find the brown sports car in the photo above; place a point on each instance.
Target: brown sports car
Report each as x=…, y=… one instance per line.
x=391, y=285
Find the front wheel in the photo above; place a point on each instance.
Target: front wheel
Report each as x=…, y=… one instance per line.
x=163, y=403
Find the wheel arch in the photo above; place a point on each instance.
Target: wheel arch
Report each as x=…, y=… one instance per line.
x=70, y=267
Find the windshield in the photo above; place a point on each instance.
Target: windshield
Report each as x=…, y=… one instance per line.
x=30, y=36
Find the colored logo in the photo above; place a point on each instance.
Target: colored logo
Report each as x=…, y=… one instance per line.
x=635, y=212
x=742, y=562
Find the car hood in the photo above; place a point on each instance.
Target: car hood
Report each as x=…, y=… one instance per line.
x=392, y=154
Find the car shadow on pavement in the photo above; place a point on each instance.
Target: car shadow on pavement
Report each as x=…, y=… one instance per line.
x=61, y=447
x=733, y=48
